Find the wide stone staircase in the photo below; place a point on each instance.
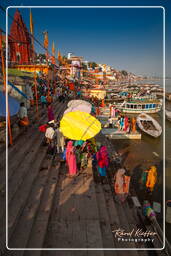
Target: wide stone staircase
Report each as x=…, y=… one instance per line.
x=49, y=210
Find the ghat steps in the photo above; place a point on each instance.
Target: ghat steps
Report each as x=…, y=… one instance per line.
x=47, y=209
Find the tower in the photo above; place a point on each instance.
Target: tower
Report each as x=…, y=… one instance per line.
x=21, y=50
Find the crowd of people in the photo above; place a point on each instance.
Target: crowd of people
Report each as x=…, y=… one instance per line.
x=77, y=154
x=123, y=123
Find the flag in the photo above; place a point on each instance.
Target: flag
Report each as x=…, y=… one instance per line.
x=31, y=23
x=32, y=32
x=53, y=60
x=53, y=48
x=0, y=41
x=59, y=56
x=46, y=41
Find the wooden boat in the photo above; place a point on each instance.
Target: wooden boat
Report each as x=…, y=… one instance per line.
x=149, y=125
x=168, y=115
x=141, y=105
x=168, y=96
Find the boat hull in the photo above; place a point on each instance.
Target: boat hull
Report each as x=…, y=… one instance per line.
x=143, y=117
x=138, y=111
x=168, y=115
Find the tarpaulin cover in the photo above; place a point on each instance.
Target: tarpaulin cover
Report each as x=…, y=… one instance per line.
x=74, y=103
x=13, y=105
x=83, y=108
x=79, y=126
x=19, y=91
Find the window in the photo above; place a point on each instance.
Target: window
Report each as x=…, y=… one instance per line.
x=154, y=105
x=151, y=105
x=132, y=106
x=143, y=106
x=146, y=106
x=135, y=106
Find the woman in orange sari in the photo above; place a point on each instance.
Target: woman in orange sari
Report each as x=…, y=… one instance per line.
x=133, y=124
x=151, y=178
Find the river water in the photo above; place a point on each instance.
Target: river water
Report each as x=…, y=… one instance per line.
x=141, y=154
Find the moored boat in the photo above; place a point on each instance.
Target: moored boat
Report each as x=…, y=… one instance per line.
x=168, y=115
x=139, y=106
x=149, y=125
x=168, y=96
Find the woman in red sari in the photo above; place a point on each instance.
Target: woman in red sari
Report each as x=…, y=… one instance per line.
x=126, y=123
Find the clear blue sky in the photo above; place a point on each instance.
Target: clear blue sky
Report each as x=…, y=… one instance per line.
x=128, y=39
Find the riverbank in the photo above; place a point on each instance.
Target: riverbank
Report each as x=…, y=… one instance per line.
x=138, y=155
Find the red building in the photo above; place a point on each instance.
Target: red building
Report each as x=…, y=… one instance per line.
x=20, y=41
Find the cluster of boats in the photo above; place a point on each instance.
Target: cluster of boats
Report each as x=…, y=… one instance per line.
x=142, y=104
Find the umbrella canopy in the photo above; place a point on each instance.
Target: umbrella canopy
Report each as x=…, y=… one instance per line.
x=74, y=103
x=79, y=126
x=83, y=108
x=13, y=105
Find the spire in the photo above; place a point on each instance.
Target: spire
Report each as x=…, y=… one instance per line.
x=46, y=41
x=53, y=48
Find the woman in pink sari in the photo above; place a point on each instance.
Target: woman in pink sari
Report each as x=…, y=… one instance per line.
x=102, y=162
x=71, y=158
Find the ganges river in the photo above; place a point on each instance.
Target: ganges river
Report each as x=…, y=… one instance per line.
x=140, y=154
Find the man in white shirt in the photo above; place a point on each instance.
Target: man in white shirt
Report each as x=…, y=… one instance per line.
x=22, y=114
x=110, y=120
x=22, y=111
x=49, y=134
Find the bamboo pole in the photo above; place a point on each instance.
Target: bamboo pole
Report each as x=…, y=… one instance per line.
x=48, y=82
x=35, y=87
x=4, y=89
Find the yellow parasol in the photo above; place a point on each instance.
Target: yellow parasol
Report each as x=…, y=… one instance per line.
x=79, y=126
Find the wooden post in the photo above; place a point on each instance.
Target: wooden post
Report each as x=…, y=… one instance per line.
x=48, y=87
x=5, y=88
x=3, y=62
x=9, y=129
x=47, y=54
x=35, y=87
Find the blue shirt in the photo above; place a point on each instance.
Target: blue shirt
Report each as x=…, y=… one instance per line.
x=43, y=99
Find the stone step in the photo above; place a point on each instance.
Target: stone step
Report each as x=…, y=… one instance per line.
x=39, y=228
x=106, y=231
x=17, y=149
x=74, y=221
x=20, y=235
x=19, y=140
x=17, y=204
x=37, y=159
x=118, y=219
x=15, y=214
x=35, y=227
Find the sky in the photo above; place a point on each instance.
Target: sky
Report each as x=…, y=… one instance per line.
x=124, y=38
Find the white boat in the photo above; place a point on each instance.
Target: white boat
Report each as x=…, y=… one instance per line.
x=168, y=115
x=149, y=125
x=139, y=106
